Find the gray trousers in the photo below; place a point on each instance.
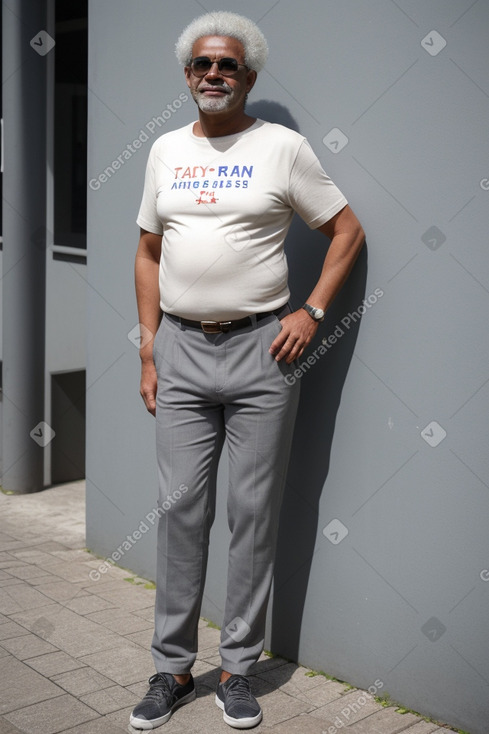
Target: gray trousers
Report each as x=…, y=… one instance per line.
x=213, y=387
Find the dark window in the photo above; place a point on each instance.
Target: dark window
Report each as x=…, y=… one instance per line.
x=68, y=390
x=70, y=123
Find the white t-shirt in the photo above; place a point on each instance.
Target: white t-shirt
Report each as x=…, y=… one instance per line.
x=224, y=206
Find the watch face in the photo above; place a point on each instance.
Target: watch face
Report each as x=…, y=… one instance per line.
x=316, y=313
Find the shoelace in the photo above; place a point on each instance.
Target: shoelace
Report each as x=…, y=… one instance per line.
x=240, y=687
x=158, y=689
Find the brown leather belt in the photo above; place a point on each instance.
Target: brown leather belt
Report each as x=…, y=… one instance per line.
x=217, y=327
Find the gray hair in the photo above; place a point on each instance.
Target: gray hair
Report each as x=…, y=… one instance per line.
x=225, y=24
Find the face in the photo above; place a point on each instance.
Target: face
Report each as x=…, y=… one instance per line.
x=213, y=92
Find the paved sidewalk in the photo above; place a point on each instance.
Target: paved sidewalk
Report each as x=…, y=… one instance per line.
x=75, y=653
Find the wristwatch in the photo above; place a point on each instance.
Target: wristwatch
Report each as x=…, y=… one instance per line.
x=316, y=313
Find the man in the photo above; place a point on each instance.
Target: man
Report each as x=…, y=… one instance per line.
x=211, y=285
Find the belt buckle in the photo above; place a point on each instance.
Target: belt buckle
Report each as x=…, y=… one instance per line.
x=210, y=327
x=215, y=327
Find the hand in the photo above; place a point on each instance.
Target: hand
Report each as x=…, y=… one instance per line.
x=149, y=385
x=298, y=329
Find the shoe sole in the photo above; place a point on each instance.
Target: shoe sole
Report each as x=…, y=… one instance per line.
x=153, y=723
x=247, y=723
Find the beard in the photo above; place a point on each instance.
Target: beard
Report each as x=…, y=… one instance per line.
x=218, y=104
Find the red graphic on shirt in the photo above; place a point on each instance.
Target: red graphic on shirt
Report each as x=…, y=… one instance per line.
x=207, y=197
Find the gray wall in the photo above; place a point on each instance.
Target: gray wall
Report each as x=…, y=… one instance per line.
x=383, y=552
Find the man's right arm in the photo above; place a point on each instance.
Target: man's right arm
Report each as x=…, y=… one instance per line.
x=148, y=301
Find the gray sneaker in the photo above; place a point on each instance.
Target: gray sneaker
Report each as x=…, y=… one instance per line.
x=240, y=707
x=164, y=696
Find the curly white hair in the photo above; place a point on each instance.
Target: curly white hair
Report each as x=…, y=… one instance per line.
x=222, y=23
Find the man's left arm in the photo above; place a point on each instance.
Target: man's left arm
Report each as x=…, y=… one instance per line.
x=298, y=328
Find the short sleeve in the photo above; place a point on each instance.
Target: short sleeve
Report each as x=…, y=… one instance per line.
x=312, y=194
x=148, y=218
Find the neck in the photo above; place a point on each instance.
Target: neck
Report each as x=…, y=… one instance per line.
x=216, y=125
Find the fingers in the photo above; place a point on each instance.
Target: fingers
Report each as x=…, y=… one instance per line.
x=150, y=403
x=277, y=344
x=288, y=348
x=148, y=386
x=149, y=398
x=296, y=334
x=291, y=349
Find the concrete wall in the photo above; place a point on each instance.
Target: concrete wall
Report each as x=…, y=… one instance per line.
x=383, y=552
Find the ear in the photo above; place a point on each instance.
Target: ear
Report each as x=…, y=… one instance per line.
x=250, y=80
x=187, y=73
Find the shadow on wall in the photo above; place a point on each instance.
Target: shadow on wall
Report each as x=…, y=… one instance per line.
x=272, y=112
x=321, y=387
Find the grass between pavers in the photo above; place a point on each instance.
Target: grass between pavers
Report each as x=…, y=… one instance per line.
x=138, y=582
x=132, y=579
x=211, y=624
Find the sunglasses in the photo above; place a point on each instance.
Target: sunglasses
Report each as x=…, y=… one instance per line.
x=201, y=66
